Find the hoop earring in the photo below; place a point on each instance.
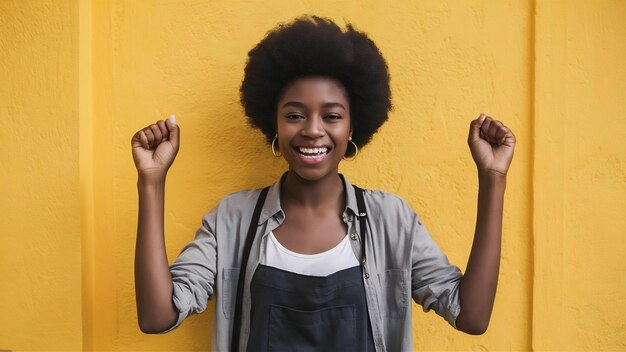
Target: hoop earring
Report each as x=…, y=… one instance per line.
x=273, y=149
x=356, y=150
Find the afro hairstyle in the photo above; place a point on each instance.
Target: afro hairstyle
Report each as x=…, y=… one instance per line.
x=316, y=46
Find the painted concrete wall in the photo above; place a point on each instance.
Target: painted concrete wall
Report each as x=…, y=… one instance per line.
x=103, y=69
x=40, y=237
x=579, y=176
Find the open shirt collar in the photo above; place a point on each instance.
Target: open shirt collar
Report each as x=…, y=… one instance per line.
x=272, y=202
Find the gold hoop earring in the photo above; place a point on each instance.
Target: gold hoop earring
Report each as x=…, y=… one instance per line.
x=273, y=149
x=356, y=150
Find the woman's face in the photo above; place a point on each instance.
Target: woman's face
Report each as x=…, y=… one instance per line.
x=313, y=125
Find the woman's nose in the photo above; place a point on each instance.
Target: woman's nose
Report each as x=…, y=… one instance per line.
x=314, y=127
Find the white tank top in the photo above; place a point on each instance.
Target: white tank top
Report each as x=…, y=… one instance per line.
x=326, y=263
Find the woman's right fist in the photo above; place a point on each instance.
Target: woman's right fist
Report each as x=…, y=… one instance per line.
x=155, y=147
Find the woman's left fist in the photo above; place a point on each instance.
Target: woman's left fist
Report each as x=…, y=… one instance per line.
x=491, y=144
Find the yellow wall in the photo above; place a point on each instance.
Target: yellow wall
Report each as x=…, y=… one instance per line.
x=40, y=235
x=579, y=176
x=77, y=78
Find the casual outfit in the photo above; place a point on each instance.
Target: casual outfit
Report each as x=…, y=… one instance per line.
x=322, y=264
x=363, y=308
x=316, y=298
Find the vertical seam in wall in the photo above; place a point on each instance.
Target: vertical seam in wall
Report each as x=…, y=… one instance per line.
x=85, y=121
x=532, y=82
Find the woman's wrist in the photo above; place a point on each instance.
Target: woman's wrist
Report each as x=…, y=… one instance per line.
x=491, y=180
x=151, y=177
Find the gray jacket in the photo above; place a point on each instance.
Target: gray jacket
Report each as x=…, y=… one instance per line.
x=402, y=263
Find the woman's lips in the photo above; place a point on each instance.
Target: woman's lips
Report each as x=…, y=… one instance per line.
x=312, y=155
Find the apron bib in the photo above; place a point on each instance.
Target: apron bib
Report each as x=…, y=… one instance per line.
x=294, y=312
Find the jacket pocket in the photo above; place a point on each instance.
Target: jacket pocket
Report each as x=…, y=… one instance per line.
x=328, y=329
x=396, y=293
x=230, y=278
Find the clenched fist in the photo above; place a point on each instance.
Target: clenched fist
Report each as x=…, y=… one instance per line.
x=492, y=145
x=155, y=148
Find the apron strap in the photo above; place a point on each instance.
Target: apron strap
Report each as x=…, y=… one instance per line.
x=362, y=215
x=234, y=344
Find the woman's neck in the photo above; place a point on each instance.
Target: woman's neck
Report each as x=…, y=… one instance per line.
x=312, y=194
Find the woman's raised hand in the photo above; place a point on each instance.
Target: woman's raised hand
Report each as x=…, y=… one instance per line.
x=155, y=148
x=491, y=144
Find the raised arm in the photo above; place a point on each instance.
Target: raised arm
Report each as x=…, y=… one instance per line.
x=492, y=145
x=154, y=150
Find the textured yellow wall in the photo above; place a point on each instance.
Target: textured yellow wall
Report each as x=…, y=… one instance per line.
x=40, y=237
x=580, y=176
x=84, y=75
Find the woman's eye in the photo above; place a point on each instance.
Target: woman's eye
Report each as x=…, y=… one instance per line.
x=333, y=117
x=295, y=116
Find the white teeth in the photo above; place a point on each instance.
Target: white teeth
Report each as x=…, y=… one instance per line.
x=313, y=151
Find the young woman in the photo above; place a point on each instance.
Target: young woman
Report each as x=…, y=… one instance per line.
x=314, y=263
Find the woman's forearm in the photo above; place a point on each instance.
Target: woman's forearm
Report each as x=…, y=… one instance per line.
x=478, y=286
x=153, y=281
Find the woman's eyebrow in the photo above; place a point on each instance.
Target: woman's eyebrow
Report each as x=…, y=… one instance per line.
x=295, y=104
x=334, y=105
x=298, y=104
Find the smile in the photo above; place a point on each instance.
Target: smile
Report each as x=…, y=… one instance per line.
x=312, y=154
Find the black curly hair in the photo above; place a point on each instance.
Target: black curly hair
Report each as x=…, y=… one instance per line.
x=316, y=46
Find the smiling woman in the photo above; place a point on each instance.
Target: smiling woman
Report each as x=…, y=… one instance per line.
x=313, y=262
x=314, y=126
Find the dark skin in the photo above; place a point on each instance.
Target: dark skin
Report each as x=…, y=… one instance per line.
x=313, y=112
x=314, y=227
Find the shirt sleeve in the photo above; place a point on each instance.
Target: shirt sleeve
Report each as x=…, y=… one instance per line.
x=193, y=272
x=434, y=281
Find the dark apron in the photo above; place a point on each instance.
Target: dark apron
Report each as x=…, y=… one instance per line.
x=293, y=312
